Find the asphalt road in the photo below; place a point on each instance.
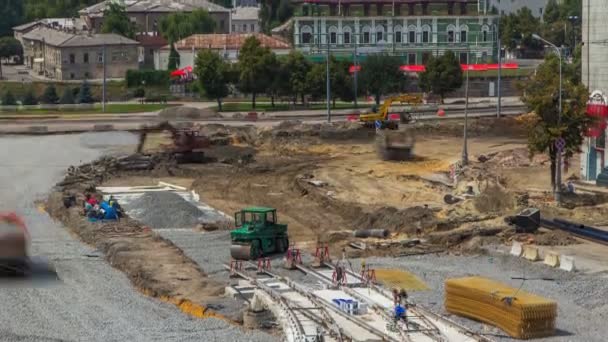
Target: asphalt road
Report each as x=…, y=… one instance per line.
x=93, y=302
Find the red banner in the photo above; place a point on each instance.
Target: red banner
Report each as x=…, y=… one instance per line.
x=470, y=67
x=354, y=68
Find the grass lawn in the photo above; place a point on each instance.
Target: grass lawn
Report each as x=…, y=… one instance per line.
x=110, y=109
x=267, y=107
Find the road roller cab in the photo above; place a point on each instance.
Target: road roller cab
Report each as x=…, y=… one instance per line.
x=257, y=234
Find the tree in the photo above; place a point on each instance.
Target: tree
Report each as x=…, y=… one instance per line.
x=116, y=20
x=8, y=99
x=213, y=75
x=541, y=96
x=254, y=73
x=67, y=97
x=517, y=29
x=29, y=99
x=316, y=82
x=84, y=94
x=380, y=75
x=10, y=47
x=38, y=9
x=50, y=95
x=442, y=75
x=180, y=25
x=340, y=82
x=551, y=13
x=174, y=58
x=279, y=77
x=11, y=12
x=285, y=10
x=298, y=68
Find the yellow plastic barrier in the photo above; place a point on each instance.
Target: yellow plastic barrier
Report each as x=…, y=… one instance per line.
x=516, y=249
x=531, y=253
x=520, y=314
x=567, y=263
x=552, y=259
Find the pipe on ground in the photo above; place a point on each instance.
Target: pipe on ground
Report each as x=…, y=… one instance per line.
x=377, y=233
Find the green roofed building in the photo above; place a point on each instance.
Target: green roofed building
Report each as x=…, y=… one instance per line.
x=413, y=29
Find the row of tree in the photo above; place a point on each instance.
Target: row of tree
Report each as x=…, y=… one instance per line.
x=70, y=96
x=561, y=25
x=260, y=71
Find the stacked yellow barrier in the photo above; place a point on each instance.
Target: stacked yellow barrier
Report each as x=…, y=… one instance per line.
x=520, y=314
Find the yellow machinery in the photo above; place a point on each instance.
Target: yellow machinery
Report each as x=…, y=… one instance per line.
x=383, y=116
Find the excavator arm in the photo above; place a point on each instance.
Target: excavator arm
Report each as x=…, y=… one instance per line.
x=143, y=135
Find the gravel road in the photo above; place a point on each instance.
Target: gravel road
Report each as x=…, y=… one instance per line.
x=94, y=302
x=582, y=300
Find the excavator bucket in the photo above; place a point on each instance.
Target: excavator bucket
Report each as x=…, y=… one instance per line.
x=240, y=252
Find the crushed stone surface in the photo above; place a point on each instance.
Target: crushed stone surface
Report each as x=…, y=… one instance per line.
x=581, y=298
x=165, y=209
x=93, y=302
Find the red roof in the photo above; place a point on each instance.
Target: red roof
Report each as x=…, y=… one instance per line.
x=230, y=41
x=147, y=40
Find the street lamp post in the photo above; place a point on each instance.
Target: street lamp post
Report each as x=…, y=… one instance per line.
x=465, y=149
x=558, y=168
x=328, y=84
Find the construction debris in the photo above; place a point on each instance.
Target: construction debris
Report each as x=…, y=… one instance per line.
x=520, y=314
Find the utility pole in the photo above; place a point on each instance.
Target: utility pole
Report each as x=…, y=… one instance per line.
x=465, y=150
x=103, y=88
x=328, y=84
x=499, y=99
x=356, y=67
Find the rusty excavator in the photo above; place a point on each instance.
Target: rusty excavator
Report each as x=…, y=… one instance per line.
x=188, y=144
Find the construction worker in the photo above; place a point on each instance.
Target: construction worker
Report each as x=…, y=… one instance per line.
x=403, y=296
x=396, y=299
x=400, y=312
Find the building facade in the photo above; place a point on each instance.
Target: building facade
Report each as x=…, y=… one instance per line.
x=595, y=77
x=245, y=19
x=226, y=45
x=414, y=30
x=62, y=55
x=147, y=14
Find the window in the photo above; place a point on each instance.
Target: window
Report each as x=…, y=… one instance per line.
x=100, y=57
x=86, y=75
x=425, y=36
x=365, y=37
x=346, y=37
x=412, y=37
x=244, y=27
x=306, y=38
x=72, y=76
x=378, y=36
x=305, y=10
x=233, y=27
x=221, y=24
x=270, y=217
x=72, y=58
x=485, y=36
x=463, y=36
x=333, y=38
x=85, y=58
x=133, y=19
x=540, y=10
x=425, y=57
x=398, y=37
x=464, y=58
x=151, y=52
x=252, y=28
x=411, y=59
x=450, y=36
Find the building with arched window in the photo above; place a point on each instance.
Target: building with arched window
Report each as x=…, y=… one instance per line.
x=414, y=29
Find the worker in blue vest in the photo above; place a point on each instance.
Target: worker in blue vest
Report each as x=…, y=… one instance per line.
x=400, y=312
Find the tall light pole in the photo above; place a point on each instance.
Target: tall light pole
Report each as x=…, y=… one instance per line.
x=465, y=149
x=328, y=83
x=103, y=88
x=558, y=168
x=356, y=71
x=499, y=99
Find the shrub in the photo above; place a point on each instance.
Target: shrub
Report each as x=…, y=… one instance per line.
x=67, y=97
x=137, y=78
x=84, y=95
x=50, y=95
x=139, y=92
x=29, y=99
x=8, y=99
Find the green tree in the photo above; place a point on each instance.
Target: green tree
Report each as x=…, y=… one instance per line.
x=551, y=13
x=10, y=47
x=180, y=25
x=380, y=75
x=254, y=73
x=174, y=58
x=442, y=75
x=316, y=81
x=279, y=77
x=213, y=75
x=116, y=20
x=285, y=10
x=38, y=9
x=84, y=94
x=298, y=67
x=50, y=95
x=517, y=29
x=340, y=82
x=12, y=14
x=541, y=96
x=29, y=99
x=8, y=99
x=67, y=97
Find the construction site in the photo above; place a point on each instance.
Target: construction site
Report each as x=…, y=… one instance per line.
x=342, y=231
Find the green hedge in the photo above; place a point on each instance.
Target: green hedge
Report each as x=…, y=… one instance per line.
x=135, y=78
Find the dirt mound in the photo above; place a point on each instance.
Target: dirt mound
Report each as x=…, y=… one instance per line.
x=398, y=220
x=187, y=113
x=494, y=199
x=323, y=131
x=554, y=238
x=519, y=157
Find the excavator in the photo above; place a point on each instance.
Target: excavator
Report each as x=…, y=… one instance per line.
x=188, y=144
x=383, y=116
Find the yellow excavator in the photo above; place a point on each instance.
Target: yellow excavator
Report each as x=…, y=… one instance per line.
x=385, y=119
